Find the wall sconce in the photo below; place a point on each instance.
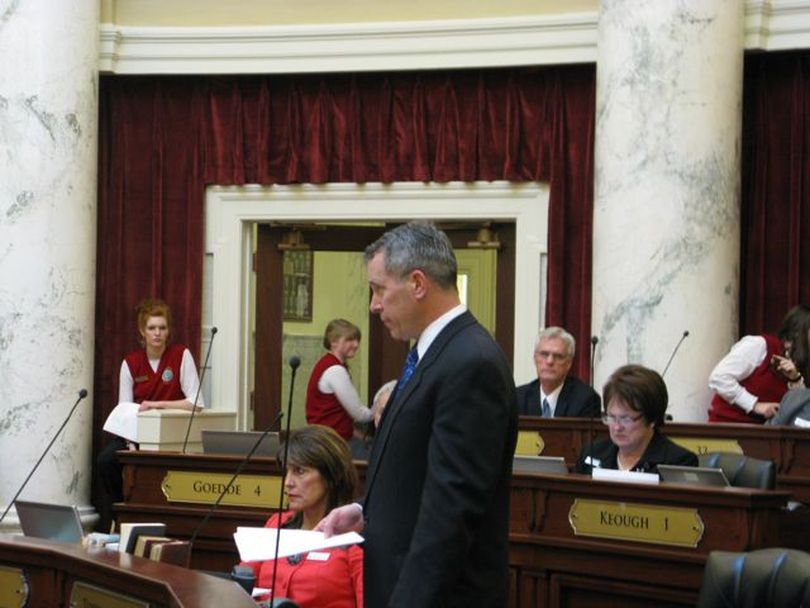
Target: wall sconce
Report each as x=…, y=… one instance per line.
x=293, y=241
x=485, y=239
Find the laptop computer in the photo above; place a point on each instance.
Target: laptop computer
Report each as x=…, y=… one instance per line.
x=554, y=465
x=54, y=522
x=701, y=476
x=239, y=443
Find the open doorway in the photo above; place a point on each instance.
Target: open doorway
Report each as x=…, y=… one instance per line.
x=486, y=257
x=233, y=214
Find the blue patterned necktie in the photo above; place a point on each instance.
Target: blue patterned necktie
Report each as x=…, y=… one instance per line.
x=546, y=408
x=410, y=367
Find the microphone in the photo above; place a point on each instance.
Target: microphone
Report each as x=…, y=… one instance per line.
x=239, y=469
x=82, y=395
x=199, y=388
x=594, y=342
x=591, y=429
x=675, y=350
x=295, y=361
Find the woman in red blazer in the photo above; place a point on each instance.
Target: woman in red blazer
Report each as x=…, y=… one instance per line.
x=320, y=476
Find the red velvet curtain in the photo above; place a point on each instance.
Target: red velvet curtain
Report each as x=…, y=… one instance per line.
x=775, y=258
x=162, y=139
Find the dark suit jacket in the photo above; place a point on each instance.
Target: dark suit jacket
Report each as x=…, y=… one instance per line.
x=437, y=485
x=577, y=400
x=660, y=450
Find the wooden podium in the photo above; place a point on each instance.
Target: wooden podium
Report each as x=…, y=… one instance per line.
x=57, y=574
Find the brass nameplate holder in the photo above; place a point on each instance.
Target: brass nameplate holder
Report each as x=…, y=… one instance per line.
x=13, y=588
x=204, y=488
x=674, y=526
x=529, y=443
x=90, y=596
x=706, y=445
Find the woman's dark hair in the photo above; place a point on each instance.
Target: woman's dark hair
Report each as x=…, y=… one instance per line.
x=322, y=449
x=796, y=329
x=642, y=389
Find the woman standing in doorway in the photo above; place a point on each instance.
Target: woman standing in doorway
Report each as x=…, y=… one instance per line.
x=332, y=399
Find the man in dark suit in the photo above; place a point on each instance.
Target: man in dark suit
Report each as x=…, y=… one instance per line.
x=555, y=393
x=436, y=512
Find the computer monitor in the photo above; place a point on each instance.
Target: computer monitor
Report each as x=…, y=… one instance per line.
x=239, y=443
x=54, y=522
x=554, y=465
x=701, y=476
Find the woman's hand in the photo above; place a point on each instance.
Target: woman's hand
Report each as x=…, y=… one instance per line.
x=786, y=367
x=148, y=405
x=768, y=409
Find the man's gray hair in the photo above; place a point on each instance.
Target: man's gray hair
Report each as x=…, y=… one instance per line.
x=557, y=332
x=417, y=245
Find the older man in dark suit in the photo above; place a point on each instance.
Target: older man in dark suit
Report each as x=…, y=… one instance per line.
x=436, y=511
x=555, y=393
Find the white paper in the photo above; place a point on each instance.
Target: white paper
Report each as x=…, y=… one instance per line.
x=123, y=421
x=626, y=476
x=259, y=544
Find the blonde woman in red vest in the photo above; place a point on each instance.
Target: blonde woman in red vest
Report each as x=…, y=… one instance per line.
x=750, y=381
x=332, y=399
x=159, y=375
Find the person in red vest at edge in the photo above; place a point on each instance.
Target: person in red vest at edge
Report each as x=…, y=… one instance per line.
x=750, y=381
x=157, y=376
x=320, y=476
x=332, y=399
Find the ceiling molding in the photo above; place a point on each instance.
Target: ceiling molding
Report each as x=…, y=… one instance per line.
x=414, y=45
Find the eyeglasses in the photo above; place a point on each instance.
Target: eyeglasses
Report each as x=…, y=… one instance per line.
x=546, y=354
x=622, y=421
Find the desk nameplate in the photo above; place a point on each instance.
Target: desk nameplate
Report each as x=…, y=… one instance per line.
x=14, y=588
x=673, y=526
x=529, y=443
x=85, y=594
x=205, y=487
x=707, y=445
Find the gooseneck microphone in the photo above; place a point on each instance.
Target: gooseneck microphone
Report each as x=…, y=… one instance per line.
x=295, y=361
x=674, y=351
x=199, y=388
x=82, y=395
x=239, y=469
x=591, y=423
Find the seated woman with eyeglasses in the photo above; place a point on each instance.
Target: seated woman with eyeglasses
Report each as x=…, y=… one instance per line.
x=320, y=476
x=635, y=401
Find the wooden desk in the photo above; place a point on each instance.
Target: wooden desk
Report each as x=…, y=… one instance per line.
x=787, y=446
x=551, y=565
x=52, y=570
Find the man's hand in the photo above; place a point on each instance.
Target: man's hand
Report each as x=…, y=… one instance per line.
x=348, y=518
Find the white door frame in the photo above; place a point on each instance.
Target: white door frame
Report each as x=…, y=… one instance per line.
x=232, y=212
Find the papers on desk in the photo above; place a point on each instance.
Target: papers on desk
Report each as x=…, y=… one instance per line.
x=123, y=421
x=259, y=544
x=625, y=476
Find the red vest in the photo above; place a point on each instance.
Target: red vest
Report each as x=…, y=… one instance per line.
x=324, y=408
x=764, y=383
x=162, y=385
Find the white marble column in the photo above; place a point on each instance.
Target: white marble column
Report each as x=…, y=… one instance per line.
x=666, y=216
x=48, y=168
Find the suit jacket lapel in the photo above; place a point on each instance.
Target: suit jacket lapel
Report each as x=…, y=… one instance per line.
x=402, y=397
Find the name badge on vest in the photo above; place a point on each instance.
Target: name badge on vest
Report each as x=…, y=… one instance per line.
x=138, y=379
x=318, y=556
x=168, y=374
x=594, y=462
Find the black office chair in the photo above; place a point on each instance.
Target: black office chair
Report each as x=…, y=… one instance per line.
x=742, y=471
x=758, y=579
